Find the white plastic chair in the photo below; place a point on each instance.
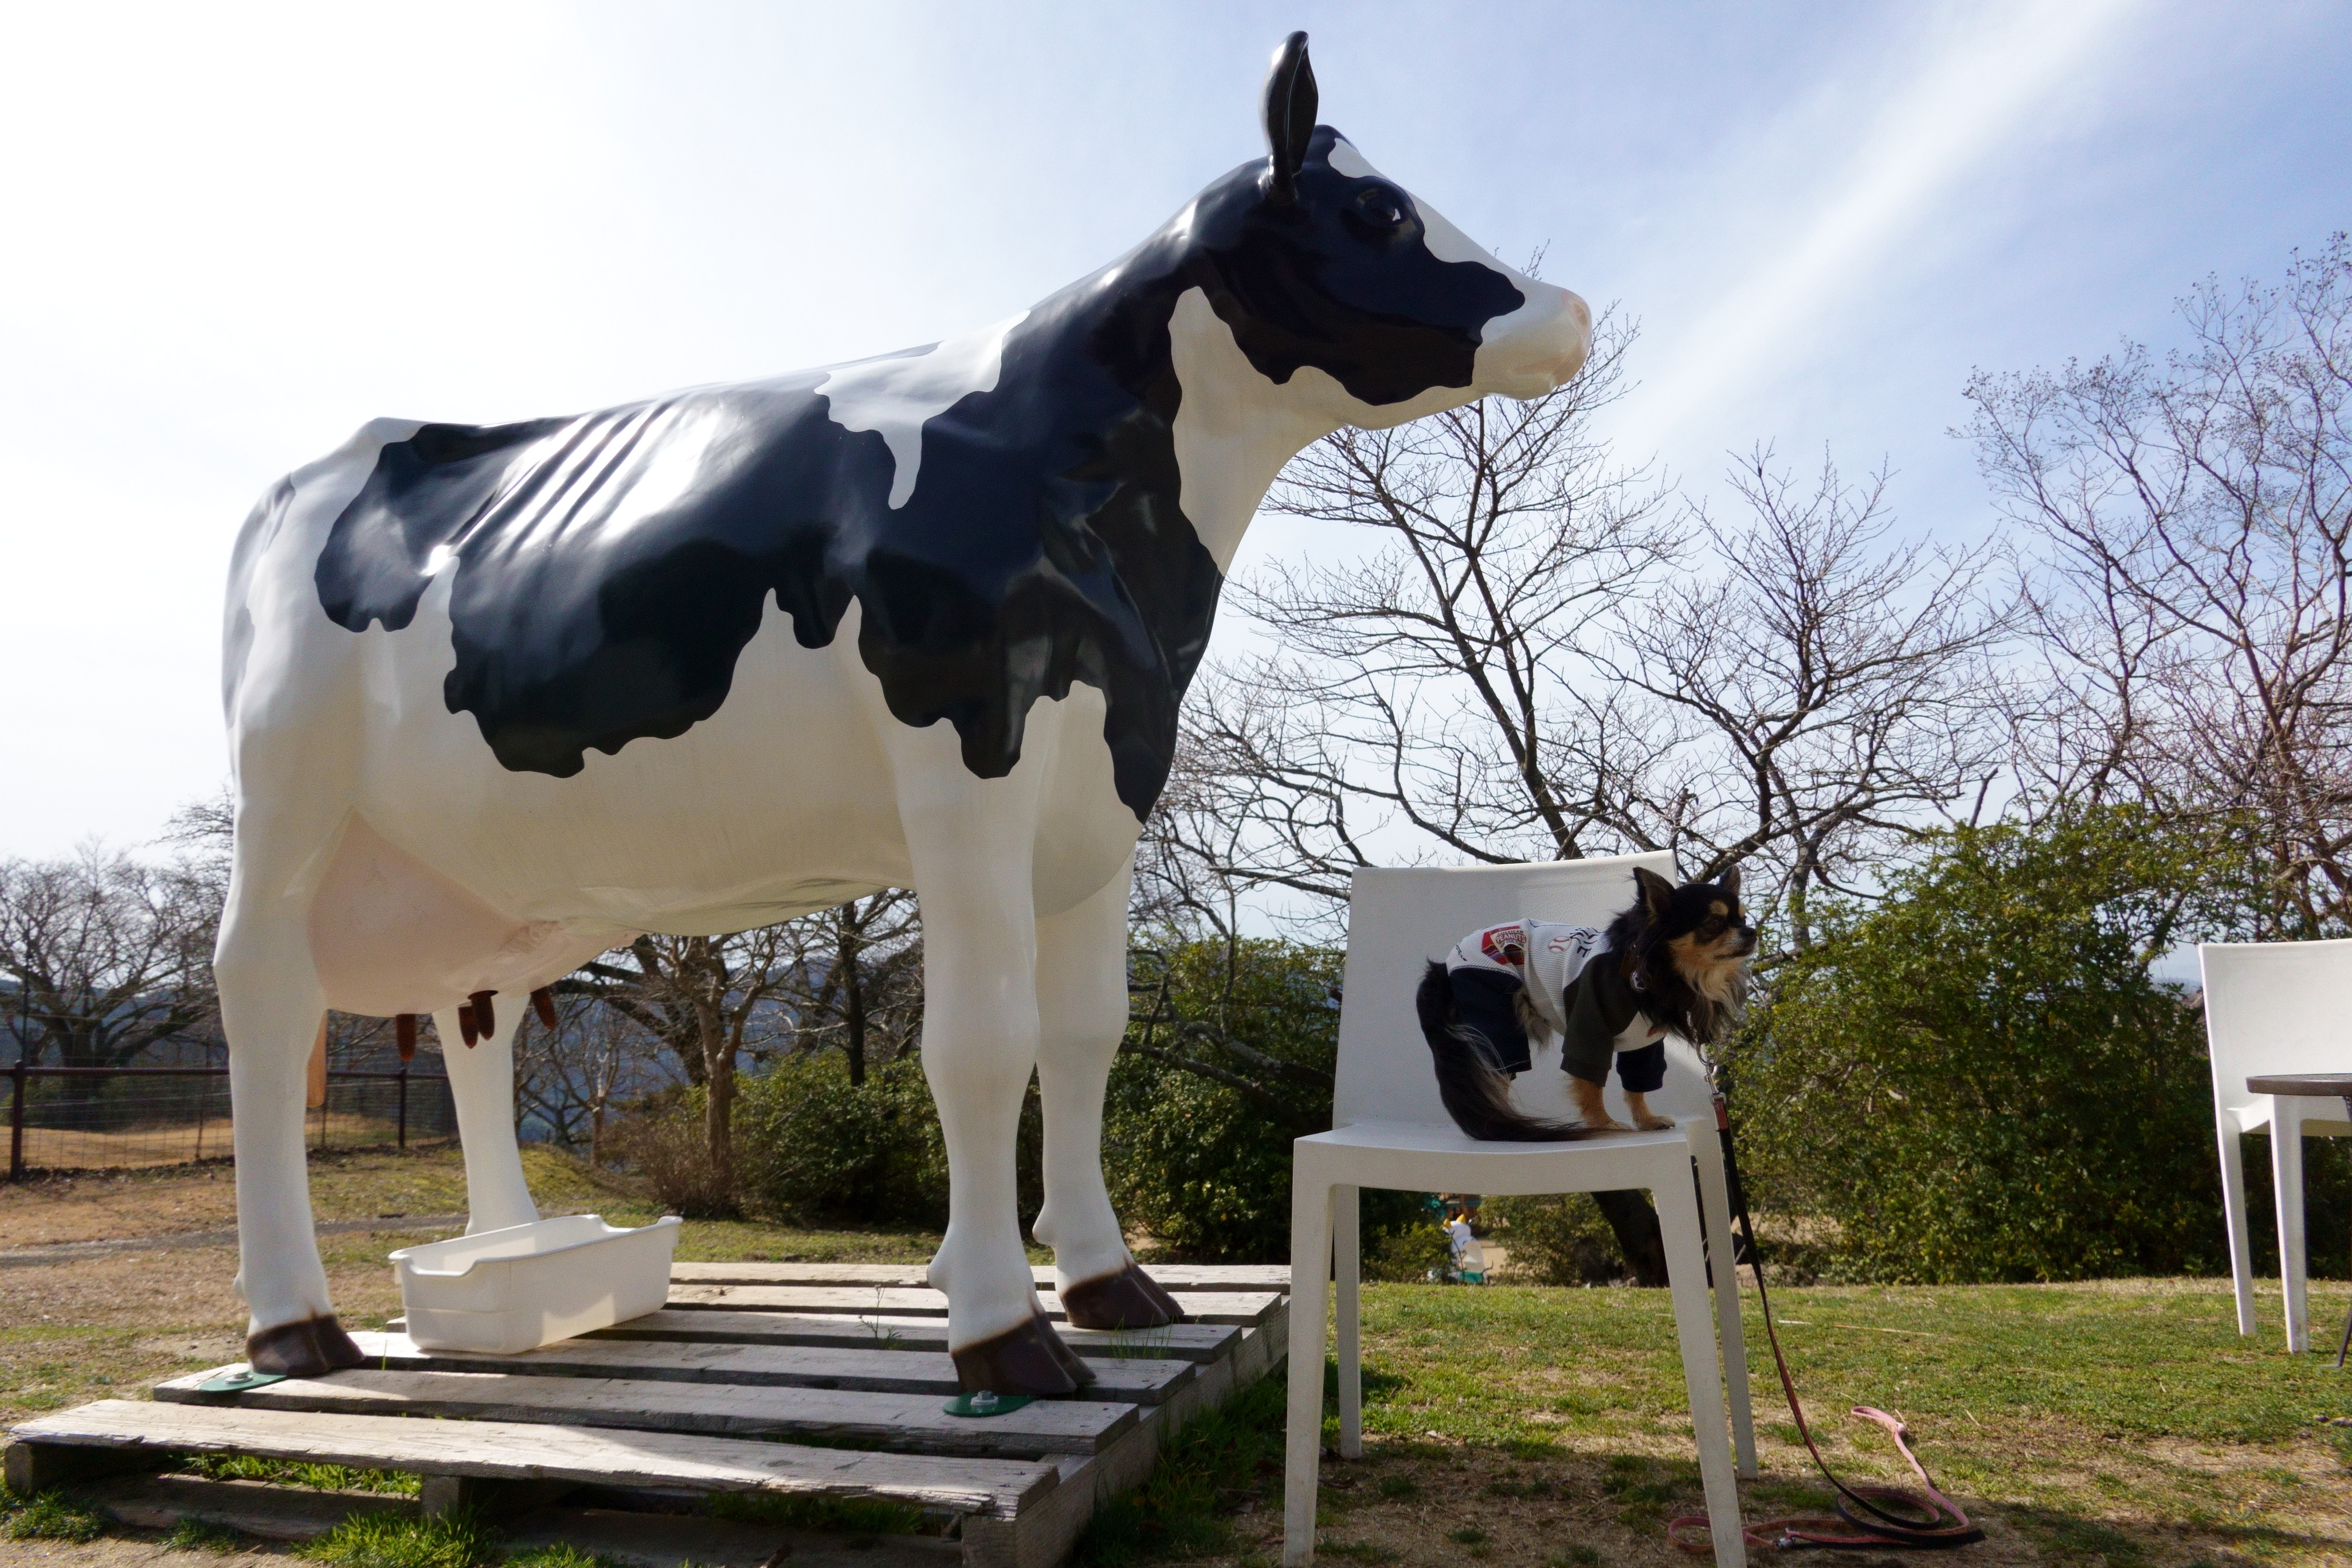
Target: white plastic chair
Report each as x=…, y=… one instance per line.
x=2274, y=1007
x=1392, y=1131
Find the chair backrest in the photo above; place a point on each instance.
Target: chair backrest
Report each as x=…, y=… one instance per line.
x=1397, y=920
x=2270, y=1007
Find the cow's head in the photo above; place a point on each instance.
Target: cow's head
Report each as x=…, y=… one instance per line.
x=1322, y=264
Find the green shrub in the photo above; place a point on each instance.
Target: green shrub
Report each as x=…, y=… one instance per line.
x=663, y=1143
x=809, y=1142
x=1406, y=1255
x=1202, y=1164
x=1978, y=1079
x=1555, y=1238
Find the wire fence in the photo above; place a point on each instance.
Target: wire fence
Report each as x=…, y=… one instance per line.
x=68, y=1119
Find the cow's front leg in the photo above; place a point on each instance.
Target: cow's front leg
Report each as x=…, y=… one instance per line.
x=1082, y=1013
x=481, y=1086
x=271, y=1007
x=969, y=842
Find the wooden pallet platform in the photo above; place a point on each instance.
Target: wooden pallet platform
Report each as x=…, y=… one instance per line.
x=809, y=1379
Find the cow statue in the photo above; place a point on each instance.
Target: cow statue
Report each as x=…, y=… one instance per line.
x=501, y=698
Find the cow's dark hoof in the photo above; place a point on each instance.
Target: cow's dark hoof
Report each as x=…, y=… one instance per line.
x=1072, y=1363
x=1130, y=1298
x=311, y=1348
x=1030, y=1359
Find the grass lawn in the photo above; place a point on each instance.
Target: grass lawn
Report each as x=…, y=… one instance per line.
x=2123, y=1422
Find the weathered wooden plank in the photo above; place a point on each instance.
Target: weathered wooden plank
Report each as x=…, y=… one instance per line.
x=1249, y=1307
x=865, y=1368
x=1196, y=1342
x=1177, y=1278
x=534, y=1451
x=876, y=1420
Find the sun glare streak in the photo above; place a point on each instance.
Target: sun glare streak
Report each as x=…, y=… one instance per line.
x=1933, y=128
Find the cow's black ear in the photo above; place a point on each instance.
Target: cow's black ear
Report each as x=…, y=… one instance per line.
x=1290, y=105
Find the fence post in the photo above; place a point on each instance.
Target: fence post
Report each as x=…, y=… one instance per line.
x=16, y=1120
x=404, y=1108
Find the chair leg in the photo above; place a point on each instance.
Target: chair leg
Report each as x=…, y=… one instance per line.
x=2286, y=1179
x=1310, y=1272
x=1346, y=1268
x=2233, y=1218
x=1686, y=1277
x=1724, y=1272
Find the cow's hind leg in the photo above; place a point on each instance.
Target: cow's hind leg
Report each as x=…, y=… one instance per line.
x=1081, y=1013
x=271, y=1004
x=970, y=841
x=481, y=1086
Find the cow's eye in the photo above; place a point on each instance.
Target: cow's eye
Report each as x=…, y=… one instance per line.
x=1380, y=209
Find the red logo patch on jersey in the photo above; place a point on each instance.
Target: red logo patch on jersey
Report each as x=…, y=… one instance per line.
x=1504, y=944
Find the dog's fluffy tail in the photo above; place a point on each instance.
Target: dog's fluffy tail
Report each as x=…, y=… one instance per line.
x=1477, y=1097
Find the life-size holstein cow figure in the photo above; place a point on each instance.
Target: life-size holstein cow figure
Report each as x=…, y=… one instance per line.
x=500, y=697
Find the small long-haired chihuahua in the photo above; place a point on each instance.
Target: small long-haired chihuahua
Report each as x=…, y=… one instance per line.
x=1676, y=961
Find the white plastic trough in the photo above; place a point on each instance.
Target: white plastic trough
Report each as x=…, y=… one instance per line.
x=506, y=1291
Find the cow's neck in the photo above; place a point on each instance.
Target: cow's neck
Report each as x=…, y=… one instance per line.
x=1234, y=429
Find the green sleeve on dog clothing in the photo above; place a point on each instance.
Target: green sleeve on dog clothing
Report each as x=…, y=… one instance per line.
x=1600, y=1004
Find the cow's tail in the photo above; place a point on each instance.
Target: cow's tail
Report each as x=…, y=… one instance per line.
x=1476, y=1096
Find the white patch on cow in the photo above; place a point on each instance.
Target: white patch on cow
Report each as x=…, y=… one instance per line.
x=898, y=396
x=1234, y=428
x=1345, y=160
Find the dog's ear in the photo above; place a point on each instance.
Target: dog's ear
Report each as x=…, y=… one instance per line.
x=1729, y=883
x=1657, y=893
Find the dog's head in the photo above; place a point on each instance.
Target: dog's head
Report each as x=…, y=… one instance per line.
x=1692, y=945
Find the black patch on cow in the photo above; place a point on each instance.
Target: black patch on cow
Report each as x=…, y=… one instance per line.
x=611, y=567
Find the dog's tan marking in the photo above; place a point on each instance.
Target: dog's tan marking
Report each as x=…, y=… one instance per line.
x=1590, y=1110
x=1637, y=1106
x=1712, y=972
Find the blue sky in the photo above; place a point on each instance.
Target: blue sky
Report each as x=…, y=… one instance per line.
x=233, y=233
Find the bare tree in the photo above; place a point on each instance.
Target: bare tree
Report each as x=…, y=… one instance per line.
x=568, y=1076
x=109, y=955
x=1424, y=700
x=2195, y=519
x=709, y=1000
x=1821, y=691
x=1543, y=658
x=856, y=980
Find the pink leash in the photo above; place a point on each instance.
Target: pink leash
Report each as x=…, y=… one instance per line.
x=1871, y=1517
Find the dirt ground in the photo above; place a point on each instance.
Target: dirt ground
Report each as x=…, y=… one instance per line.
x=104, y=1205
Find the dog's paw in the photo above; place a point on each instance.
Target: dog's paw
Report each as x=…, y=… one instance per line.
x=1648, y=1123
x=1605, y=1124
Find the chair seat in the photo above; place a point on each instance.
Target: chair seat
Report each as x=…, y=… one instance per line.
x=1419, y=1156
